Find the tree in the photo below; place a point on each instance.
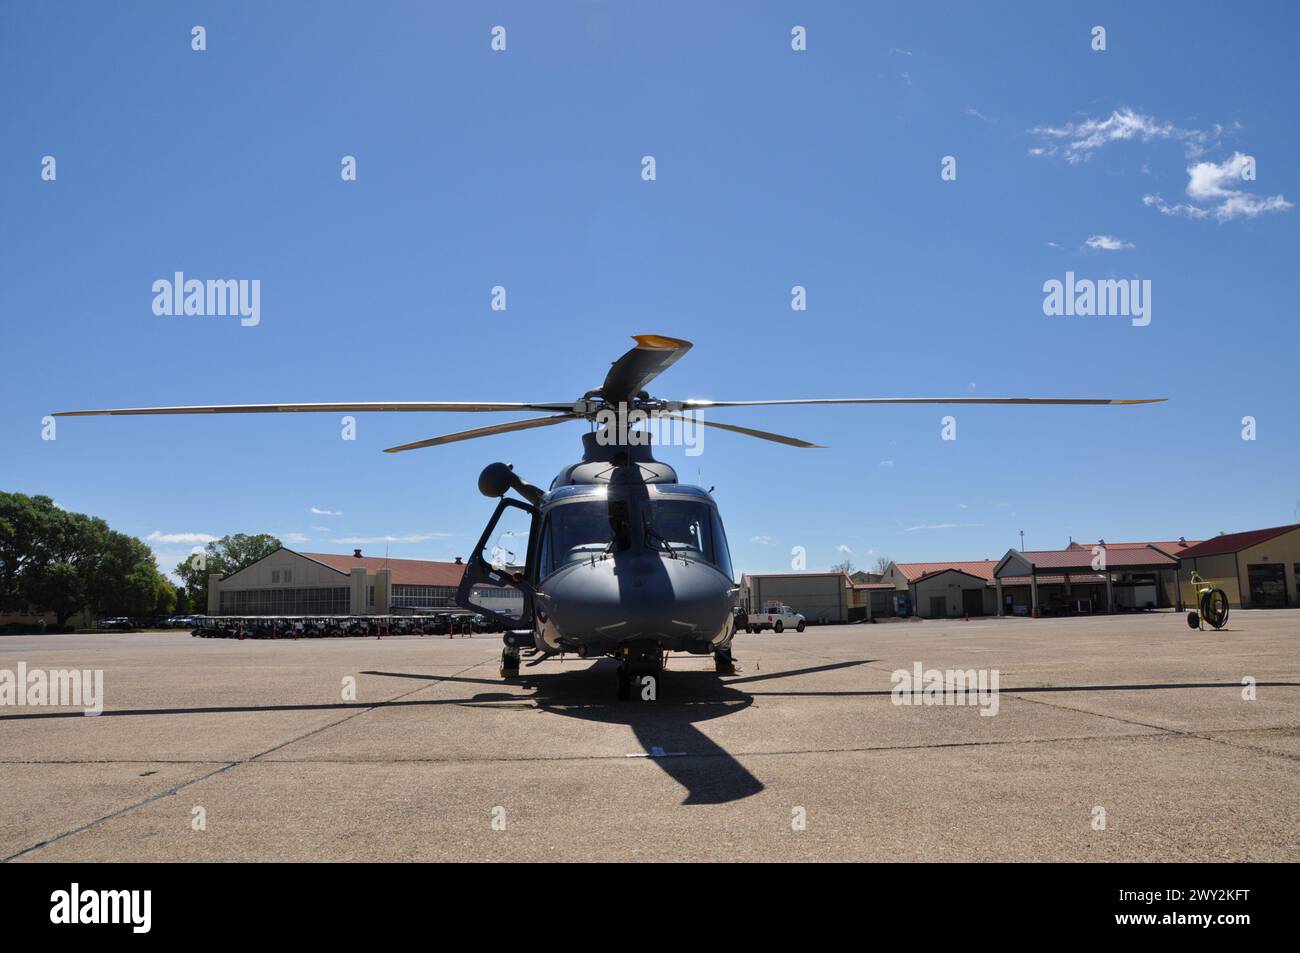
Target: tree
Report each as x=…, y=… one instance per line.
x=881, y=565
x=845, y=567
x=27, y=526
x=226, y=556
x=62, y=562
x=167, y=597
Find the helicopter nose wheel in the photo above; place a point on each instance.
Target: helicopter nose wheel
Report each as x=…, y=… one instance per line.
x=723, y=662
x=639, y=670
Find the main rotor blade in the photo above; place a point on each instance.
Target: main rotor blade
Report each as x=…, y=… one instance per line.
x=633, y=372
x=364, y=407
x=486, y=432
x=696, y=404
x=750, y=432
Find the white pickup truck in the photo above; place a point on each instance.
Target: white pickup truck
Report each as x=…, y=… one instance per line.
x=776, y=618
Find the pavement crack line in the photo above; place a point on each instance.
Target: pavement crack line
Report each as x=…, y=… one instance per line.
x=1179, y=732
x=226, y=766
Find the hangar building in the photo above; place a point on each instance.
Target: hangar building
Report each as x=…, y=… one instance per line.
x=1257, y=569
x=286, y=582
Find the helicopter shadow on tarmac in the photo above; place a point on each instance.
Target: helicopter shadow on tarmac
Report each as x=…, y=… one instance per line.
x=666, y=728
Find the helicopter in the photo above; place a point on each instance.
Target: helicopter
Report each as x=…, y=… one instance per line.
x=622, y=560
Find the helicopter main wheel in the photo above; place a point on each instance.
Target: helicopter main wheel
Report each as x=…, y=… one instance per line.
x=509, y=663
x=723, y=662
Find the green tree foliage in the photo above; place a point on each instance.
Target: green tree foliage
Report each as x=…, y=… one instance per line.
x=62, y=562
x=226, y=555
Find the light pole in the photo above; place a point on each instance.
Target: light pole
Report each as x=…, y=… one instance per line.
x=1022, y=540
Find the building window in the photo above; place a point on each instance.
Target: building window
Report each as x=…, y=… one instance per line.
x=288, y=575
x=423, y=597
x=275, y=575
x=370, y=596
x=331, y=601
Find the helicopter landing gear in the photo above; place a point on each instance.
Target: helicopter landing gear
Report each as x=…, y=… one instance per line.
x=509, y=662
x=639, y=669
x=723, y=663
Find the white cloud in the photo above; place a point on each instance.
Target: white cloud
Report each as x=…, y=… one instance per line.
x=1077, y=141
x=761, y=540
x=901, y=52
x=844, y=549
x=1108, y=243
x=319, y=512
x=296, y=538
x=1210, y=187
x=972, y=111
x=912, y=529
x=174, y=538
x=888, y=464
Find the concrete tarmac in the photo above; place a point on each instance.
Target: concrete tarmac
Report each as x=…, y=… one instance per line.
x=1118, y=738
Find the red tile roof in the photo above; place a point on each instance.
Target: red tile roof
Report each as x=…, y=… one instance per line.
x=983, y=568
x=406, y=572
x=1081, y=559
x=1235, y=542
x=1172, y=547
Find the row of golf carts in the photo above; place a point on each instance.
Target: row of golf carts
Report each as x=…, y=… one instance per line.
x=329, y=627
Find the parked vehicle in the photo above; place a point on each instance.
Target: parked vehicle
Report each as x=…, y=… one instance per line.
x=776, y=618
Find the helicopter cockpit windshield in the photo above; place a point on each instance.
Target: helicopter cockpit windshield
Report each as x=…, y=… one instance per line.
x=593, y=529
x=585, y=530
x=687, y=528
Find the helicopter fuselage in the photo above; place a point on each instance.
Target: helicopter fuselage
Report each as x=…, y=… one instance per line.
x=642, y=563
x=622, y=560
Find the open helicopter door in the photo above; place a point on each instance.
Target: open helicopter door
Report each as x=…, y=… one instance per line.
x=500, y=560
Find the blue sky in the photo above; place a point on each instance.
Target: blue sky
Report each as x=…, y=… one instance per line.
x=774, y=168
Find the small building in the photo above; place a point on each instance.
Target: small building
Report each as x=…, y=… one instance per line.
x=874, y=600
x=1166, y=580
x=945, y=590
x=1257, y=569
x=821, y=597
x=1079, y=581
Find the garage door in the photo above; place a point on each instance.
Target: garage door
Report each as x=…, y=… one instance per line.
x=972, y=601
x=1267, y=585
x=938, y=607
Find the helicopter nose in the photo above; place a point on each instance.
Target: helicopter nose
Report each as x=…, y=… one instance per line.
x=643, y=596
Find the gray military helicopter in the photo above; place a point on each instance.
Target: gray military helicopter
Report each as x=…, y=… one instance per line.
x=622, y=560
